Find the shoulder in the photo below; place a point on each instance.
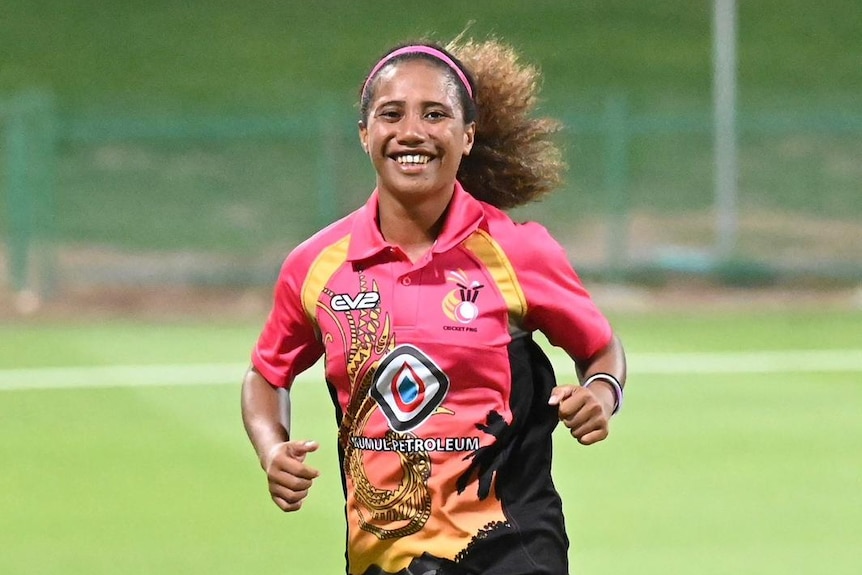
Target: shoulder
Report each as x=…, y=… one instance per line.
x=523, y=242
x=302, y=257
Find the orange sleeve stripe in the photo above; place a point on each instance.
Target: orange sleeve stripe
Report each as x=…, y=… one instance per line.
x=329, y=260
x=491, y=254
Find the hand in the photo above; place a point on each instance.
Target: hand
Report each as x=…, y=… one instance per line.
x=584, y=411
x=289, y=478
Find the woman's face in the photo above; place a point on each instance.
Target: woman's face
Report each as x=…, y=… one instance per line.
x=415, y=132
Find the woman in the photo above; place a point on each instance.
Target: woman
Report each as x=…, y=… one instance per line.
x=422, y=302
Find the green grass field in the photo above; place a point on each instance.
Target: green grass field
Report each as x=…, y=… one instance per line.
x=738, y=461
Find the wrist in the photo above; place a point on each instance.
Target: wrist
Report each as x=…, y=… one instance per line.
x=612, y=384
x=269, y=454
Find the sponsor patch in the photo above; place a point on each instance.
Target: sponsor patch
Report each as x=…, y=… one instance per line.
x=408, y=386
x=362, y=300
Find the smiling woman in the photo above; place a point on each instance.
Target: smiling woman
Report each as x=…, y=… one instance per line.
x=423, y=303
x=416, y=131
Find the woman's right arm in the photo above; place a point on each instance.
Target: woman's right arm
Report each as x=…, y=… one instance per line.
x=283, y=460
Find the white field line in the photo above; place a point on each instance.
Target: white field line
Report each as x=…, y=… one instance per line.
x=121, y=376
x=803, y=361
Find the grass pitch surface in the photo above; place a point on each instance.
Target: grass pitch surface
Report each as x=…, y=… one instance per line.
x=744, y=471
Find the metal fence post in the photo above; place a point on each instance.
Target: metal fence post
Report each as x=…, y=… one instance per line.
x=616, y=176
x=44, y=166
x=29, y=143
x=18, y=197
x=327, y=164
x=724, y=98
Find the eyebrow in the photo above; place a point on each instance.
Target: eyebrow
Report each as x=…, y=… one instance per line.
x=424, y=104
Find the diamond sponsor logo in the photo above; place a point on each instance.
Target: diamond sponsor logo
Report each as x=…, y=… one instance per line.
x=408, y=386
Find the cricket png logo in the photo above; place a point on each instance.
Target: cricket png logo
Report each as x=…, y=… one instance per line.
x=408, y=386
x=459, y=305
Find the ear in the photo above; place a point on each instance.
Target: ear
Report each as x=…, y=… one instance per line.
x=469, y=137
x=363, y=136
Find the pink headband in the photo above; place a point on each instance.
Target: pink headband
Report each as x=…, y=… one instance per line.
x=420, y=49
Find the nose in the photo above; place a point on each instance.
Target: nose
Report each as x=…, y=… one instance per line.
x=412, y=130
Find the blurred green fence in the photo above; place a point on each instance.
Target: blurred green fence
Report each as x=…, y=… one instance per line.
x=150, y=201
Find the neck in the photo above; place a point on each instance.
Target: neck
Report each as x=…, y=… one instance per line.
x=412, y=225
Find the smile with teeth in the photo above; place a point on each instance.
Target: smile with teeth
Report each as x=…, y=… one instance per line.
x=412, y=159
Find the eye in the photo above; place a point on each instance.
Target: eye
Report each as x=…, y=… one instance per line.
x=389, y=114
x=436, y=115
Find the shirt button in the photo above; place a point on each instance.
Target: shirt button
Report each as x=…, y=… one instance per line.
x=405, y=281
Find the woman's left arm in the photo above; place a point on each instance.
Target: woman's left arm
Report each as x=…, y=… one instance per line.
x=587, y=408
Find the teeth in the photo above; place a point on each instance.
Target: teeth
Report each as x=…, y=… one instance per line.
x=413, y=159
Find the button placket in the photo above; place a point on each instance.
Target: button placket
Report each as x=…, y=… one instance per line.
x=407, y=294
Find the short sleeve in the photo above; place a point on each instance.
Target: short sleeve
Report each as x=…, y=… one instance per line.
x=288, y=343
x=558, y=304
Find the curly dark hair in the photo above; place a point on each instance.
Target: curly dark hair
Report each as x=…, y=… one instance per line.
x=514, y=159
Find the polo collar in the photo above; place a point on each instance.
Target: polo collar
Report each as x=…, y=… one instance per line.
x=464, y=216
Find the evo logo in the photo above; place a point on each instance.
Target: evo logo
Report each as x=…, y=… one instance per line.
x=363, y=300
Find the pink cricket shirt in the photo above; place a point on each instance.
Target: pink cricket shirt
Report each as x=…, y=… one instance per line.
x=440, y=393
